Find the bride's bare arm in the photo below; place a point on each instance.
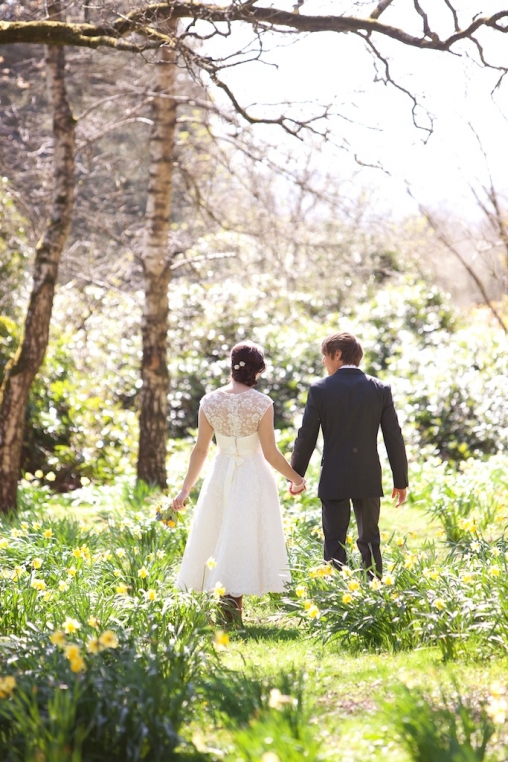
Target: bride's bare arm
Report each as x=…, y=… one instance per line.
x=197, y=458
x=271, y=452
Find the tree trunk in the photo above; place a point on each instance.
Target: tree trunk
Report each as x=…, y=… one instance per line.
x=156, y=260
x=23, y=368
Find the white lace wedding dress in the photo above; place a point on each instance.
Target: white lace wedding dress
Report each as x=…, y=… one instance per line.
x=237, y=520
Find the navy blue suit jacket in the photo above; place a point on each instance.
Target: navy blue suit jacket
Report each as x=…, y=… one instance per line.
x=350, y=407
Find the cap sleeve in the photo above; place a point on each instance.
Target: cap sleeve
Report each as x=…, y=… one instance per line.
x=264, y=403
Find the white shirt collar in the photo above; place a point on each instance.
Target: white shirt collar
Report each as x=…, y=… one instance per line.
x=349, y=366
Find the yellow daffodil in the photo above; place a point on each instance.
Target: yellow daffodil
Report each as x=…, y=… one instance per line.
x=37, y=563
x=467, y=577
x=122, y=589
x=384, y=536
x=494, y=570
x=347, y=598
x=211, y=563
x=70, y=625
x=77, y=553
x=151, y=595
x=58, y=638
x=93, y=621
x=18, y=572
x=72, y=651
x=388, y=579
x=375, y=584
x=278, y=700
x=93, y=646
x=143, y=573
x=38, y=584
x=16, y=533
x=29, y=477
x=136, y=550
x=108, y=639
x=63, y=586
x=219, y=590
x=349, y=539
x=496, y=552
x=7, y=685
x=409, y=560
x=439, y=604
x=4, y=542
x=300, y=591
x=72, y=571
x=77, y=665
x=47, y=596
x=497, y=707
x=353, y=585
x=346, y=571
x=50, y=476
x=39, y=474
x=221, y=641
x=120, y=552
x=313, y=611
x=36, y=526
x=47, y=533
x=399, y=541
x=160, y=554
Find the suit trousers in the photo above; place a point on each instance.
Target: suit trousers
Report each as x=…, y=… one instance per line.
x=336, y=516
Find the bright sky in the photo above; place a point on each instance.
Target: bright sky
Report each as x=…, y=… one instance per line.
x=324, y=66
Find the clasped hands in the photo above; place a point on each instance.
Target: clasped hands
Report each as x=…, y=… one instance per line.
x=297, y=489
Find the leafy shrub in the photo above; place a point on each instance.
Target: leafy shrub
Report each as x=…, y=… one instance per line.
x=125, y=701
x=448, y=374
x=269, y=717
x=449, y=728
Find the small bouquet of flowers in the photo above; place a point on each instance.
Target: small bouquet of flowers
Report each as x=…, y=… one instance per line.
x=165, y=512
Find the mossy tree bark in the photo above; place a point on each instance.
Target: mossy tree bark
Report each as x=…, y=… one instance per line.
x=23, y=368
x=156, y=259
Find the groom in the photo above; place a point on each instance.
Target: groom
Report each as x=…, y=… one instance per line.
x=350, y=407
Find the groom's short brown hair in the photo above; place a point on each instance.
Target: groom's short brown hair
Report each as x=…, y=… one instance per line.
x=350, y=347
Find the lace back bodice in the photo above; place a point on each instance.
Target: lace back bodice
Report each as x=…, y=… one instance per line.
x=235, y=415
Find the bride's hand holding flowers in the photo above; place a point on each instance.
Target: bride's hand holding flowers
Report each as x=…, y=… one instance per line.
x=180, y=500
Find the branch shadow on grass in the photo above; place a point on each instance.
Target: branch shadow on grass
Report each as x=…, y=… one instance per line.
x=272, y=633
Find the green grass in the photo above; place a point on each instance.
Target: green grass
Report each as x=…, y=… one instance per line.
x=347, y=691
x=344, y=695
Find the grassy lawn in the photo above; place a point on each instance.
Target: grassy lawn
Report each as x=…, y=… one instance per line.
x=88, y=603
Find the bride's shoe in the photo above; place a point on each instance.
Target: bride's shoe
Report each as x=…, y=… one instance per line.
x=231, y=609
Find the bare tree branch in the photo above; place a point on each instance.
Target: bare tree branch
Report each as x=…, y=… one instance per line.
x=441, y=236
x=387, y=79
x=383, y=5
x=146, y=23
x=454, y=14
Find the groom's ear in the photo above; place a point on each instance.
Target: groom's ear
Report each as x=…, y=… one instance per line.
x=337, y=355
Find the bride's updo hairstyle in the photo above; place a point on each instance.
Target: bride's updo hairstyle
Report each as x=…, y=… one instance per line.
x=247, y=360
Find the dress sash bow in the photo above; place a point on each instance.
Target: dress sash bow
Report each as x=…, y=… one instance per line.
x=236, y=449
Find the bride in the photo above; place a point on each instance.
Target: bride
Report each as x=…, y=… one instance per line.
x=236, y=541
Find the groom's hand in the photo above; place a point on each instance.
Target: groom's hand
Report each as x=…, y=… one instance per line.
x=400, y=494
